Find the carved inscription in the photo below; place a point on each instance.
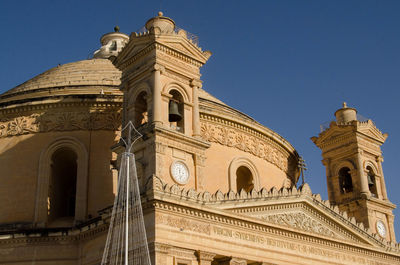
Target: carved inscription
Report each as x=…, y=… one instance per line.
x=60, y=121
x=183, y=223
x=294, y=247
x=299, y=221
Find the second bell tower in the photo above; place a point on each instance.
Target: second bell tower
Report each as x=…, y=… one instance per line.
x=160, y=80
x=353, y=159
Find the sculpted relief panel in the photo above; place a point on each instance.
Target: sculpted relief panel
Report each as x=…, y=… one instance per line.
x=248, y=143
x=60, y=121
x=299, y=221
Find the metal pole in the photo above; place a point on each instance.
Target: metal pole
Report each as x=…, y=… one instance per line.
x=126, y=211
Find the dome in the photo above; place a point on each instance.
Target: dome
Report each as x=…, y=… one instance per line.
x=68, y=79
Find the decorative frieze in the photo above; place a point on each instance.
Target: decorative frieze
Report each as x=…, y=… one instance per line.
x=60, y=121
x=183, y=223
x=257, y=146
x=300, y=221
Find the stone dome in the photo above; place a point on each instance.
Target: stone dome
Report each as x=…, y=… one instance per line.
x=82, y=77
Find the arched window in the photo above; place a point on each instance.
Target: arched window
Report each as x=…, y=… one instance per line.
x=345, y=181
x=62, y=183
x=372, y=182
x=176, y=109
x=243, y=174
x=244, y=179
x=141, y=111
x=62, y=187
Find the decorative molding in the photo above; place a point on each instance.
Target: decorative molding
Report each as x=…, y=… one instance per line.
x=183, y=223
x=228, y=135
x=61, y=121
x=205, y=256
x=300, y=221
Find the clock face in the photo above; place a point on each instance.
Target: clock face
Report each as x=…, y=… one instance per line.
x=381, y=228
x=180, y=172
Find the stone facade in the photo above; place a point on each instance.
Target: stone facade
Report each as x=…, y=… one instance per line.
x=239, y=203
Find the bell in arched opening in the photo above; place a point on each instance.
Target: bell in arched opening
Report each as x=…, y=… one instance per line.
x=173, y=114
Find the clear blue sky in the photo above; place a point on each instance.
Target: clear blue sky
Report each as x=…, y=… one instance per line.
x=288, y=64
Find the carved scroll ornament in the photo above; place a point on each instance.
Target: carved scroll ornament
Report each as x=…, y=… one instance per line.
x=60, y=121
x=244, y=142
x=299, y=221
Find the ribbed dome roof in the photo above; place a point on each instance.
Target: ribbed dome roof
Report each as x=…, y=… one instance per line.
x=82, y=73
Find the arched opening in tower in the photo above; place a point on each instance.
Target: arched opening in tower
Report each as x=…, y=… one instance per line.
x=141, y=111
x=244, y=179
x=372, y=182
x=176, y=114
x=62, y=189
x=345, y=181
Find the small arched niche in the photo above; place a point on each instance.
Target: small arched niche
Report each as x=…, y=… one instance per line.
x=244, y=179
x=141, y=115
x=61, y=201
x=371, y=177
x=176, y=106
x=345, y=180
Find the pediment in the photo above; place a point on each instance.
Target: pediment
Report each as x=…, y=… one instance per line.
x=370, y=130
x=304, y=219
x=305, y=215
x=335, y=132
x=290, y=209
x=183, y=45
x=176, y=44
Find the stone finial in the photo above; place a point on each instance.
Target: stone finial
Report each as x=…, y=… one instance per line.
x=116, y=29
x=160, y=14
x=344, y=105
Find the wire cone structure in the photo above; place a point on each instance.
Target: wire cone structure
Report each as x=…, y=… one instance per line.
x=126, y=240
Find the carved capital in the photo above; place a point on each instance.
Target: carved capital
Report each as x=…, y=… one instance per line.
x=161, y=248
x=196, y=83
x=205, y=257
x=158, y=67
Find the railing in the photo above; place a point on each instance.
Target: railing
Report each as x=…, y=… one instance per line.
x=326, y=125
x=192, y=37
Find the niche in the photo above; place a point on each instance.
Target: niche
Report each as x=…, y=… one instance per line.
x=62, y=189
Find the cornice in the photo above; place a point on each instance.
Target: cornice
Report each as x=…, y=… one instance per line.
x=48, y=105
x=72, y=235
x=159, y=47
x=181, y=138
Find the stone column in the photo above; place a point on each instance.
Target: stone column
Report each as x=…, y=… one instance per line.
x=331, y=190
x=379, y=161
x=196, y=85
x=157, y=86
x=205, y=258
x=364, y=189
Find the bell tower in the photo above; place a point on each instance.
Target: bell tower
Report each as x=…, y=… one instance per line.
x=353, y=159
x=160, y=81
